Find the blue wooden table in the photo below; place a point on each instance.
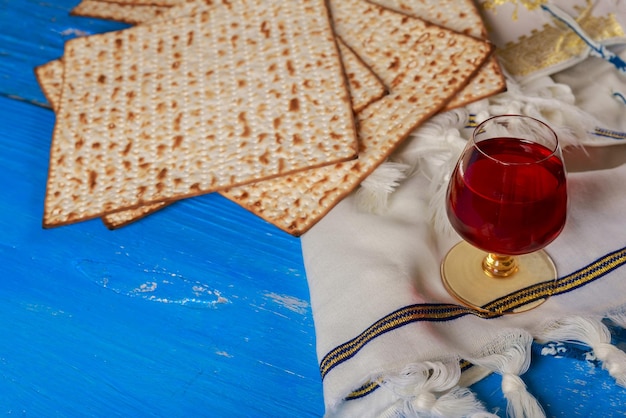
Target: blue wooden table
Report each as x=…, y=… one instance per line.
x=201, y=309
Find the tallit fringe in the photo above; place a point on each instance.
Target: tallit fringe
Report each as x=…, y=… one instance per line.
x=511, y=362
x=593, y=333
x=618, y=318
x=430, y=389
x=543, y=99
x=375, y=190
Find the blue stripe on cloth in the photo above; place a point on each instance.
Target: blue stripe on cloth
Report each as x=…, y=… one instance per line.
x=446, y=312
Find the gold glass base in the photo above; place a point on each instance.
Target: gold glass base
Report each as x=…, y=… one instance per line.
x=531, y=283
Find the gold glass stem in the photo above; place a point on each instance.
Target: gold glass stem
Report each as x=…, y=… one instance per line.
x=499, y=266
x=466, y=279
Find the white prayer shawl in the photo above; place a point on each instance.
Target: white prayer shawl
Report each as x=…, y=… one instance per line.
x=391, y=341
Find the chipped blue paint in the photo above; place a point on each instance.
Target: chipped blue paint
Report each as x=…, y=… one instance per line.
x=202, y=309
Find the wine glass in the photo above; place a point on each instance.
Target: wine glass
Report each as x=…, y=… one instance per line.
x=507, y=199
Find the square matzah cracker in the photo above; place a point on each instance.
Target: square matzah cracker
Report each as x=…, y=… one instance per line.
x=462, y=16
x=423, y=64
x=50, y=78
x=364, y=88
x=164, y=111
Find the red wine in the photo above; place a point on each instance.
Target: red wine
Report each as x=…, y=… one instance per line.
x=511, y=198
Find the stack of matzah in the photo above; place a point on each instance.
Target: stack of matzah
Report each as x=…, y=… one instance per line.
x=282, y=107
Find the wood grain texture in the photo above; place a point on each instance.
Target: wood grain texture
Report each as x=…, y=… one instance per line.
x=200, y=310
x=172, y=316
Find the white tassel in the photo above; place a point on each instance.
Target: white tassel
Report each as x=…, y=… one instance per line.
x=544, y=99
x=483, y=415
x=459, y=402
x=618, y=318
x=593, y=333
x=511, y=362
x=373, y=195
x=520, y=402
x=429, y=390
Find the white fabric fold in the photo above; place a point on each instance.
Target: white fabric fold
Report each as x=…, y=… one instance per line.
x=382, y=316
x=599, y=90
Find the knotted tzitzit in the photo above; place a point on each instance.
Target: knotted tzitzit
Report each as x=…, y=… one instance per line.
x=429, y=389
x=593, y=333
x=510, y=362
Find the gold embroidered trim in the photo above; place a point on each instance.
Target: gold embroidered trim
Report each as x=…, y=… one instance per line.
x=530, y=5
x=553, y=45
x=364, y=390
x=609, y=133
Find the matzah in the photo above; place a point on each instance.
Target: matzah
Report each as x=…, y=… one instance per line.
x=50, y=78
x=423, y=64
x=364, y=86
x=487, y=82
x=122, y=218
x=462, y=16
x=127, y=13
x=262, y=194
x=302, y=118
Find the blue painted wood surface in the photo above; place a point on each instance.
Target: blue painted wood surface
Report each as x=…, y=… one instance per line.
x=201, y=309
